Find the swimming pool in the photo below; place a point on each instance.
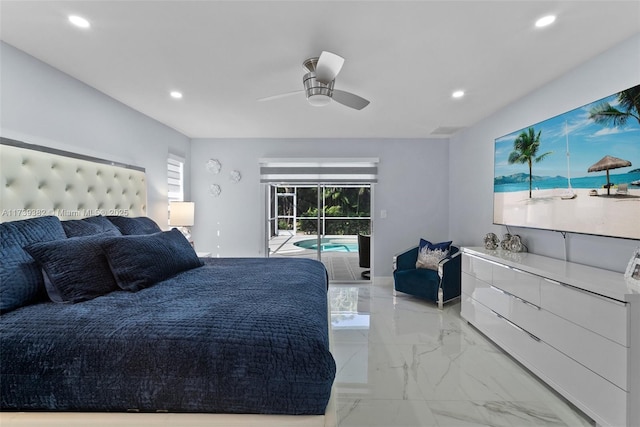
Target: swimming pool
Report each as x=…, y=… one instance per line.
x=330, y=244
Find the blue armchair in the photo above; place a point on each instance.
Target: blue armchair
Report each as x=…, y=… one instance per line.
x=438, y=286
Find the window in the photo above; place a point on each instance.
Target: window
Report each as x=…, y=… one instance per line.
x=175, y=176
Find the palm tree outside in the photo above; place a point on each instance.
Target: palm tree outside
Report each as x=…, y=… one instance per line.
x=525, y=150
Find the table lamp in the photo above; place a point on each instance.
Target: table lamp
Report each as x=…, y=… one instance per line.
x=181, y=216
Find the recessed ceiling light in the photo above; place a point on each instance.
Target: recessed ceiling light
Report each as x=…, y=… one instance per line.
x=175, y=94
x=545, y=20
x=458, y=94
x=79, y=21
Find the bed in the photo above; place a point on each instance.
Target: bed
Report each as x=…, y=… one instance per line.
x=126, y=325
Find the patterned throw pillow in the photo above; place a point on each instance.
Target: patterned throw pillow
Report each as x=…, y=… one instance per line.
x=430, y=255
x=430, y=258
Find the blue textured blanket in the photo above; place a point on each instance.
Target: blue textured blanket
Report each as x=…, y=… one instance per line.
x=245, y=335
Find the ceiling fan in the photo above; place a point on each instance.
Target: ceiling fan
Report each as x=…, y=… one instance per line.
x=319, y=80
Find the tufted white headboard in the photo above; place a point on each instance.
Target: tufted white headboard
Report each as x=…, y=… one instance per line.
x=37, y=181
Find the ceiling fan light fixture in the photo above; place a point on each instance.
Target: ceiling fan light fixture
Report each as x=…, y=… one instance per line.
x=318, y=94
x=319, y=100
x=318, y=83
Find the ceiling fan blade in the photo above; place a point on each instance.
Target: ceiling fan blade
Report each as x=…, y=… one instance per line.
x=282, y=95
x=349, y=99
x=329, y=65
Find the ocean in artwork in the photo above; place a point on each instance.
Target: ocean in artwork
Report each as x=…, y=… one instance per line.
x=591, y=182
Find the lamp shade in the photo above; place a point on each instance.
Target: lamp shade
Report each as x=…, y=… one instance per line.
x=181, y=214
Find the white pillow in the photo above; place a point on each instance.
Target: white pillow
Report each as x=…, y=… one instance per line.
x=430, y=258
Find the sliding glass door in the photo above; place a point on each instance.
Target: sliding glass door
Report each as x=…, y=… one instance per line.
x=320, y=221
x=317, y=207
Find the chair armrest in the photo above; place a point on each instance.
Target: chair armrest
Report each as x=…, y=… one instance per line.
x=406, y=260
x=447, y=260
x=451, y=278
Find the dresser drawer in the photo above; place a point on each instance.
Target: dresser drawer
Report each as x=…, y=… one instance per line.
x=505, y=333
x=518, y=283
x=597, y=397
x=601, y=315
x=468, y=283
x=478, y=290
x=601, y=355
x=514, y=308
x=479, y=268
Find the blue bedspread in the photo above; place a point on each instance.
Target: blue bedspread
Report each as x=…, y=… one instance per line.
x=245, y=335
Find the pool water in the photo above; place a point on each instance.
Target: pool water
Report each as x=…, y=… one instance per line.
x=329, y=244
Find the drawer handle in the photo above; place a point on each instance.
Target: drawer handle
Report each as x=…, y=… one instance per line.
x=529, y=334
x=530, y=304
x=502, y=291
x=516, y=297
x=526, y=273
x=488, y=260
x=584, y=291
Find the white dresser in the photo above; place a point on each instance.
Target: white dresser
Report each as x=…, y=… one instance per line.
x=576, y=327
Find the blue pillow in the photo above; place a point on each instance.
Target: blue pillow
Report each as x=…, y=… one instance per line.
x=75, y=269
x=88, y=226
x=137, y=225
x=140, y=261
x=443, y=246
x=21, y=281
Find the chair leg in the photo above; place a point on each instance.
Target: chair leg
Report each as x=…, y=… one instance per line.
x=440, y=299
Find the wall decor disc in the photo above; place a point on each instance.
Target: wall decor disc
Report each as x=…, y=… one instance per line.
x=235, y=176
x=214, y=190
x=213, y=166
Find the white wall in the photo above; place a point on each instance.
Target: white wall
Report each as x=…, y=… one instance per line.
x=471, y=159
x=41, y=105
x=412, y=188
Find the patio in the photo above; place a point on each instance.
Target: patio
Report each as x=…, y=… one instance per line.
x=342, y=266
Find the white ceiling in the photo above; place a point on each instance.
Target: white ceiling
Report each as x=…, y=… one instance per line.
x=406, y=57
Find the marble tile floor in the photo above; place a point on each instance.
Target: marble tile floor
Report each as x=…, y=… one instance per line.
x=401, y=362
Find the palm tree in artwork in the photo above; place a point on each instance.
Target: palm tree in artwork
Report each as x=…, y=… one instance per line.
x=628, y=107
x=525, y=150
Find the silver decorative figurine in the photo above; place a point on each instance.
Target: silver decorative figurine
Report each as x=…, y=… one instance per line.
x=491, y=241
x=515, y=244
x=506, y=242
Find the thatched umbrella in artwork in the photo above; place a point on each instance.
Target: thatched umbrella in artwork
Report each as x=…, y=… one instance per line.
x=606, y=163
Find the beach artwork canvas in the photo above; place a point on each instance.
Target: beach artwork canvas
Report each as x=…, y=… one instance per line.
x=577, y=172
